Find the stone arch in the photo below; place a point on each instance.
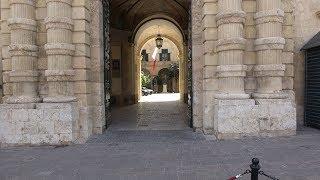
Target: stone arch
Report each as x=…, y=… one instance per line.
x=169, y=30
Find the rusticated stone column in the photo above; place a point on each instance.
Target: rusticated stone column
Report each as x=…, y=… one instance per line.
x=230, y=48
x=23, y=50
x=269, y=46
x=60, y=50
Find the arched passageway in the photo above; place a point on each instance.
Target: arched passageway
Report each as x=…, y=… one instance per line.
x=138, y=65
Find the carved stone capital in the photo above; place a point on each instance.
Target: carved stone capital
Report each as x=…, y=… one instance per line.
x=230, y=17
x=231, y=44
x=269, y=43
x=59, y=22
x=23, y=50
x=59, y=75
x=276, y=15
x=232, y=70
x=22, y=23
x=23, y=76
x=60, y=49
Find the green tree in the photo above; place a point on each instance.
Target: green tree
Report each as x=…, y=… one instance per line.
x=145, y=80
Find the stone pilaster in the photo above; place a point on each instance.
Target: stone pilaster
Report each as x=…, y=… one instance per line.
x=269, y=46
x=5, y=42
x=24, y=52
x=60, y=50
x=230, y=48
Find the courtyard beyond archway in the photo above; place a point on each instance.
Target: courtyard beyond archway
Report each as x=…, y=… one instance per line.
x=162, y=111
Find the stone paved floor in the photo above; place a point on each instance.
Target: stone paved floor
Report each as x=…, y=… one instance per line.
x=154, y=112
x=138, y=154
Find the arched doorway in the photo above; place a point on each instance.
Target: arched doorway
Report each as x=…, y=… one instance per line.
x=126, y=44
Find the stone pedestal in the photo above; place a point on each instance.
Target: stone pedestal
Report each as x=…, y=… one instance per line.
x=241, y=118
x=39, y=124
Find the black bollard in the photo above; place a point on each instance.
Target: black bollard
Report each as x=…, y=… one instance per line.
x=255, y=167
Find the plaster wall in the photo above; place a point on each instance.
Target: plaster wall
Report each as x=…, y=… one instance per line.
x=123, y=86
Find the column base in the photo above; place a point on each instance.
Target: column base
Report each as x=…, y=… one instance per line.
x=60, y=99
x=241, y=118
x=22, y=100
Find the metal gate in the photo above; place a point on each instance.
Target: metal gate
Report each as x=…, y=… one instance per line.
x=107, y=55
x=312, y=87
x=189, y=69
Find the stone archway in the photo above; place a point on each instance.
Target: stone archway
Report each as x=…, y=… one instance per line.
x=168, y=30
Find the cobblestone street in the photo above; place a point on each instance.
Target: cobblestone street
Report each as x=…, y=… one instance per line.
x=163, y=147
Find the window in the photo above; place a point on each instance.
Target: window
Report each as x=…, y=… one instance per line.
x=164, y=55
x=145, y=55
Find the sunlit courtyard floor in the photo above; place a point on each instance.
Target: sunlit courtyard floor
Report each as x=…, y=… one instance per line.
x=162, y=111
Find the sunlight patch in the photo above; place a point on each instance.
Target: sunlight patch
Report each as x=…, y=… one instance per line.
x=162, y=97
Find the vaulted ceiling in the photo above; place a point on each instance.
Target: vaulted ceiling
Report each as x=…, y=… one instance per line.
x=127, y=14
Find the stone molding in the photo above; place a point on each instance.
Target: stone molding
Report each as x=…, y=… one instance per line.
x=22, y=99
x=274, y=95
x=229, y=96
x=22, y=23
x=269, y=43
x=23, y=76
x=231, y=44
x=232, y=70
x=274, y=15
x=60, y=99
x=59, y=23
x=269, y=70
x=23, y=50
x=228, y=17
x=59, y=75
x=69, y=2
x=24, y=2
x=60, y=49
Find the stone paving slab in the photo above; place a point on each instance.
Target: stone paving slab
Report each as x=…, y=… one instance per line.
x=159, y=157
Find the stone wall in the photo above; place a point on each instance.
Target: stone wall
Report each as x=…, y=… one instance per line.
x=123, y=86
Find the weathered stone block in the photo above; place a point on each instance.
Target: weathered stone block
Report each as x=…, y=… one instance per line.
x=239, y=118
x=45, y=123
x=210, y=8
x=249, y=6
